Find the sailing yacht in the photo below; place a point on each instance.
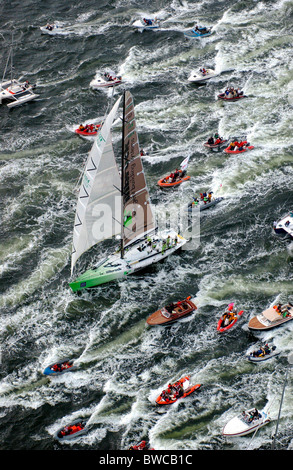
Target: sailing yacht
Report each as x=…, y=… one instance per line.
x=112, y=203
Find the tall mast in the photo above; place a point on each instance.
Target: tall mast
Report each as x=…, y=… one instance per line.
x=122, y=180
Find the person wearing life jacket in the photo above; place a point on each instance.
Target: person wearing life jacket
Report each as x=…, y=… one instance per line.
x=218, y=140
x=211, y=141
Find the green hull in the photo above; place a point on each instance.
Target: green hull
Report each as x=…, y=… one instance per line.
x=94, y=278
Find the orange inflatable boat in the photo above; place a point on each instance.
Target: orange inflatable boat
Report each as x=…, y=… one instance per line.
x=179, y=389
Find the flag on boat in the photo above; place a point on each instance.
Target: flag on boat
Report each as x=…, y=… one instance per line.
x=184, y=164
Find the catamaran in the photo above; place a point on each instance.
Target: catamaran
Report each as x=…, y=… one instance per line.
x=112, y=203
x=14, y=92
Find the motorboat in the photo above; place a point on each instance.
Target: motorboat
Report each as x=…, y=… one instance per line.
x=59, y=367
x=198, y=32
x=51, y=29
x=285, y=225
x=123, y=198
x=229, y=318
x=146, y=23
x=71, y=431
x=172, y=312
x=202, y=75
x=245, y=423
x=272, y=317
x=105, y=81
x=179, y=389
x=263, y=353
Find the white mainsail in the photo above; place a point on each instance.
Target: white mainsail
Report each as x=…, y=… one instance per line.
x=98, y=210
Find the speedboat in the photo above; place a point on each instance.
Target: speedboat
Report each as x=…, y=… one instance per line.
x=201, y=75
x=60, y=367
x=229, y=318
x=172, y=312
x=198, y=32
x=51, y=29
x=179, y=389
x=272, y=317
x=71, y=431
x=245, y=423
x=146, y=23
x=263, y=354
x=105, y=81
x=285, y=225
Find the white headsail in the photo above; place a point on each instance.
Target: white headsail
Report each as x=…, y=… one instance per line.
x=98, y=210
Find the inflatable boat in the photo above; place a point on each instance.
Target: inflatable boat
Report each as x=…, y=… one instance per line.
x=249, y=147
x=224, y=97
x=169, y=181
x=172, y=312
x=200, y=32
x=215, y=146
x=193, y=206
x=58, y=368
x=89, y=130
x=263, y=354
x=179, y=389
x=228, y=319
x=71, y=431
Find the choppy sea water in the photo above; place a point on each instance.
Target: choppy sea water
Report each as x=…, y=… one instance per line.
x=122, y=363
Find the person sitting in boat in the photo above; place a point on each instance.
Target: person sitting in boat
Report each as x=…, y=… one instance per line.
x=148, y=22
x=176, y=174
x=81, y=127
x=210, y=195
x=218, y=140
x=255, y=414
x=211, y=141
x=203, y=71
x=49, y=27
x=231, y=146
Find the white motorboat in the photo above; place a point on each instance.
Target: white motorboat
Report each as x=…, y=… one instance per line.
x=51, y=29
x=202, y=75
x=245, y=423
x=111, y=203
x=285, y=225
x=105, y=81
x=146, y=23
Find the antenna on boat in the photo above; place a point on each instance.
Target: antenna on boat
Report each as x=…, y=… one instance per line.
x=122, y=179
x=290, y=361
